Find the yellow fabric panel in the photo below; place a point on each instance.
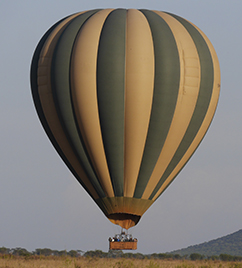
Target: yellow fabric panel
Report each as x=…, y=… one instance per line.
x=196, y=141
x=186, y=102
x=139, y=86
x=207, y=120
x=47, y=102
x=83, y=84
x=134, y=206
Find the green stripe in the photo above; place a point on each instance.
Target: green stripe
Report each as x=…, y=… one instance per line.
x=166, y=87
x=37, y=102
x=204, y=97
x=110, y=92
x=62, y=95
x=34, y=81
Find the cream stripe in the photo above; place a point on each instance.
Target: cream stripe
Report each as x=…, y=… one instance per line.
x=139, y=86
x=47, y=102
x=186, y=102
x=207, y=120
x=84, y=92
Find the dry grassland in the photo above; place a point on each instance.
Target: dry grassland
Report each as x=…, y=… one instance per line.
x=85, y=262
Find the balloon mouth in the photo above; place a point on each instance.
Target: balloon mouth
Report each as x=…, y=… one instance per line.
x=124, y=220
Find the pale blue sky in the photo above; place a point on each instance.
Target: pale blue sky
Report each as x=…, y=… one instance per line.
x=42, y=205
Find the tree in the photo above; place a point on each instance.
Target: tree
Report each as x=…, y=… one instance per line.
x=73, y=253
x=4, y=250
x=20, y=252
x=44, y=251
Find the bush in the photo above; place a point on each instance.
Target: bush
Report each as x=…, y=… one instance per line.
x=227, y=257
x=96, y=253
x=196, y=256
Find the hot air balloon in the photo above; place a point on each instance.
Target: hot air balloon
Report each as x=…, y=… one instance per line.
x=125, y=96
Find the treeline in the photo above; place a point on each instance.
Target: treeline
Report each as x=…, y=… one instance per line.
x=161, y=256
x=40, y=252
x=113, y=254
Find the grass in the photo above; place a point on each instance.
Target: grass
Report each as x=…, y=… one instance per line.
x=87, y=262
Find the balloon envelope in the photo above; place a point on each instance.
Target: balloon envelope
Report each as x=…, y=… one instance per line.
x=125, y=96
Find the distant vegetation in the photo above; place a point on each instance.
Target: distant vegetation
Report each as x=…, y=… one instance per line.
x=39, y=252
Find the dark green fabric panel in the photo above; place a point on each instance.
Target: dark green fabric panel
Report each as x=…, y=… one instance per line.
x=178, y=172
x=35, y=90
x=204, y=97
x=110, y=93
x=34, y=78
x=36, y=99
x=62, y=94
x=166, y=87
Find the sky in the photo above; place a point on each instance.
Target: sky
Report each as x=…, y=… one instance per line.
x=41, y=203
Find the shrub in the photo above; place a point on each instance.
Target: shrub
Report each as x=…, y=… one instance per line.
x=196, y=256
